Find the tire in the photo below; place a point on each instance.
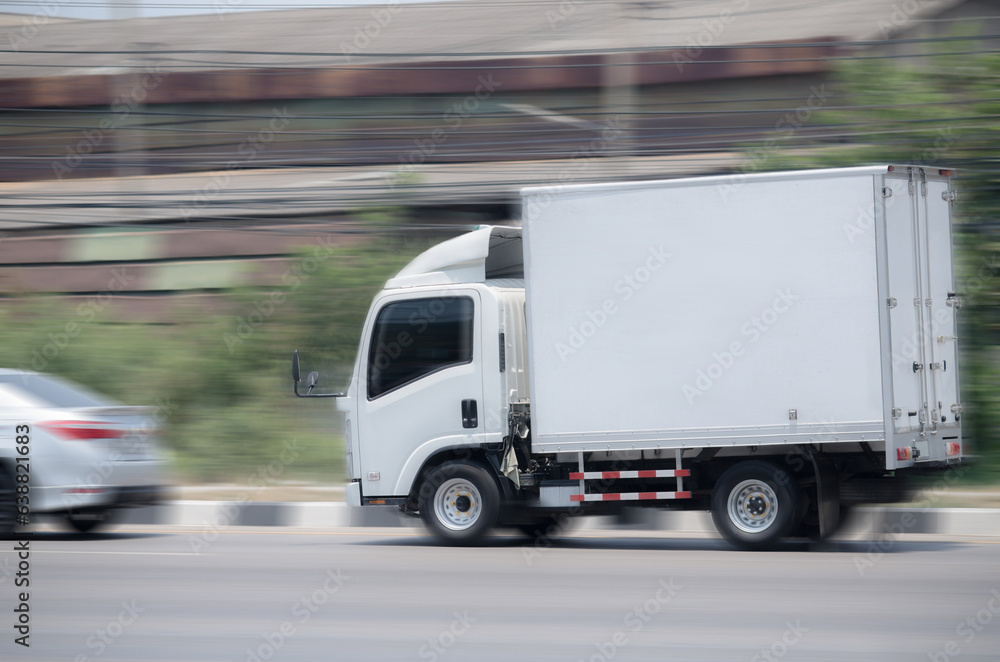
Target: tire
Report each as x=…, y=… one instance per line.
x=88, y=521
x=8, y=502
x=459, y=503
x=755, y=504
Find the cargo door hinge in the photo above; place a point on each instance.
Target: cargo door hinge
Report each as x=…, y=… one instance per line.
x=890, y=302
x=896, y=413
x=950, y=196
x=886, y=192
x=953, y=300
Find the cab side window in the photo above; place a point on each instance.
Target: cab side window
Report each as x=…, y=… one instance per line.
x=415, y=338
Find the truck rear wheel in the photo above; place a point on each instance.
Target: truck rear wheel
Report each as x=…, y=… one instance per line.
x=755, y=504
x=459, y=502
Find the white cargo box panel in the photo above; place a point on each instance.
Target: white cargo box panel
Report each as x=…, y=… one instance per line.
x=708, y=311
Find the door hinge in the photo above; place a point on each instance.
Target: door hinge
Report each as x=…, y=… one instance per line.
x=917, y=367
x=896, y=413
x=944, y=339
x=949, y=196
x=954, y=300
x=886, y=192
x=890, y=302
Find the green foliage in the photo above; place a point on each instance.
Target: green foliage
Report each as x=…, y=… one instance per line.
x=223, y=380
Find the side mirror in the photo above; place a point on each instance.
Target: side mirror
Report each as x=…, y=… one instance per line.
x=311, y=381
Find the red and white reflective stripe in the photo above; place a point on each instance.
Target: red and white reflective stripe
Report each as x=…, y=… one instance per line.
x=630, y=496
x=658, y=473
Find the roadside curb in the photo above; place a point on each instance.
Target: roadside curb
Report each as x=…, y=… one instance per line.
x=949, y=521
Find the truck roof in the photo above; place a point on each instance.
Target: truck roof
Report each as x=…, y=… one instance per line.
x=730, y=179
x=488, y=252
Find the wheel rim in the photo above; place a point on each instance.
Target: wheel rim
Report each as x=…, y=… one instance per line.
x=457, y=504
x=753, y=506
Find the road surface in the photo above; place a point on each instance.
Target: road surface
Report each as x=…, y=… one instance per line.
x=184, y=593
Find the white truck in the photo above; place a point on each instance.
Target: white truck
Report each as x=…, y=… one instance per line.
x=773, y=348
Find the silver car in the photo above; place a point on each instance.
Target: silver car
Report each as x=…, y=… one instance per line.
x=68, y=452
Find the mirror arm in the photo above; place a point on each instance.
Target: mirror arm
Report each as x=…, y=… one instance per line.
x=312, y=382
x=309, y=394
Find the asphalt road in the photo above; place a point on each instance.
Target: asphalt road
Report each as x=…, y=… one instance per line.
x=178, y=593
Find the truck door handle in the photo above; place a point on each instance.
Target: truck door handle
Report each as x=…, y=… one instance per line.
x=470, y=414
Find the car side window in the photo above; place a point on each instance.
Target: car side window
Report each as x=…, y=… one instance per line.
x=418, y=337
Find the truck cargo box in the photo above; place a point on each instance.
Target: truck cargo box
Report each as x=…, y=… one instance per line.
x=780, y=308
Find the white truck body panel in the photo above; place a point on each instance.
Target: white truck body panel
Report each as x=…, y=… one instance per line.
x=722, y=311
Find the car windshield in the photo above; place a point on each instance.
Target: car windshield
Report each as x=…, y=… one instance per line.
x=55, y=392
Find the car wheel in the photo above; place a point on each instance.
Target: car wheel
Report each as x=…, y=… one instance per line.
x=459, y=502
x=755, y=504
x=8, y=502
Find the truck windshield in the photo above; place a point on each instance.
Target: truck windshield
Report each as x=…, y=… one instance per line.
x=415, y=338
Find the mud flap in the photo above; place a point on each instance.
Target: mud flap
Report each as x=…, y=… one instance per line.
x=827, y=494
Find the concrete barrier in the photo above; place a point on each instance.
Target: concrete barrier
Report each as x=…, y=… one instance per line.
x=951, y=521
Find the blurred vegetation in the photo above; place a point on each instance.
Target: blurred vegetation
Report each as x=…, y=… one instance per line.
x=940, y=111
x=223, y=381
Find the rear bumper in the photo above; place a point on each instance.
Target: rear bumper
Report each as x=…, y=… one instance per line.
x=81, y=499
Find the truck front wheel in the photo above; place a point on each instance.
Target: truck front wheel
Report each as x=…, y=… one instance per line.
x=459, y=502
x=755, y=504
